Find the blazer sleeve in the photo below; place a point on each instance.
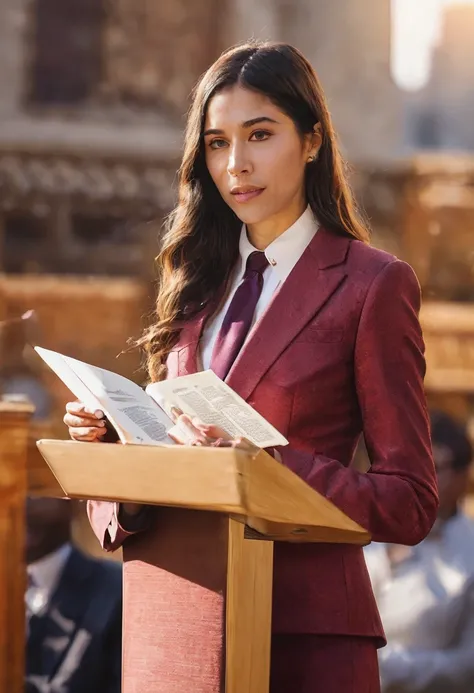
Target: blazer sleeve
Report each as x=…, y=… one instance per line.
x=109, y=527
x=396, y=501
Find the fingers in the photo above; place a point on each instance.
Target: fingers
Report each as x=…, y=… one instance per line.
x=176, y=412
x=87, y=433
x=186, y=433
x=199, y=428
x=190, y=432
x=80, y=409
x=78, y=415
x=84, y=424
x=73, y=421
x=210, y=430
x=182, y=434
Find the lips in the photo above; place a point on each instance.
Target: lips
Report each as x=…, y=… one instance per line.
x=245, y=195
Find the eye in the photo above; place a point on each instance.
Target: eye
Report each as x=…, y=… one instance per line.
x=260, y=135
x=217, y=144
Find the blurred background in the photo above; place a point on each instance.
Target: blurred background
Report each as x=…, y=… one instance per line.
x=93, y=96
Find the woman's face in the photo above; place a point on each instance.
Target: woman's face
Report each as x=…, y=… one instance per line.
x=255, y=156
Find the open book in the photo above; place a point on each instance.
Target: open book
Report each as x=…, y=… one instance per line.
x=145, y=416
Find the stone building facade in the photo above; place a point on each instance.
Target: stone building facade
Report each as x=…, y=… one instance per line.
x=349, y=45
x=92, y=101
x=93, y=96
x=439, y=116
x=91, y=127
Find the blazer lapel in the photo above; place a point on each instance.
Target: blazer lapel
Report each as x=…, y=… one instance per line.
x=187, y=347
x=314, y=279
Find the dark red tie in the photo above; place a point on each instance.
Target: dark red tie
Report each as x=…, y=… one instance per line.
x=238, y=319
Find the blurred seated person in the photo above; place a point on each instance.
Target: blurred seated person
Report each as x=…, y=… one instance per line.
x=73, y=608
x=425, y=593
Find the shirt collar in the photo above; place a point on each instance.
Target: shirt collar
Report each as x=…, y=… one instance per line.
x=46, y=572
x=285, y=251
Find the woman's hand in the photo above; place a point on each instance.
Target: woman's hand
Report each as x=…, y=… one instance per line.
x=86, y=425
x=192, y=431
x=90, y=425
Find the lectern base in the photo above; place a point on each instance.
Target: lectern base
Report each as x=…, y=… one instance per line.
x=197, y=615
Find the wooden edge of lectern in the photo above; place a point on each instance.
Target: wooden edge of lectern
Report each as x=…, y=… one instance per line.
x=256, y=489
x=222, y=500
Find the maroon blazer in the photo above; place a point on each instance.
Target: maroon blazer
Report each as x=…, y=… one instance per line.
x=339, y=352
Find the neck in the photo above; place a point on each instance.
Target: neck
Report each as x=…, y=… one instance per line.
x=265, y=232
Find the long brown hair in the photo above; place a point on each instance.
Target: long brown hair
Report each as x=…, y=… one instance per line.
x=200, y=245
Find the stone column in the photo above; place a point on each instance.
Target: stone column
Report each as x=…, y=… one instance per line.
x=249, y=19
x=348, y=44
x=13, y=22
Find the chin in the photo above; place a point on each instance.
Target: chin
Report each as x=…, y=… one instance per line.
x=250, y=219
x=251, y=212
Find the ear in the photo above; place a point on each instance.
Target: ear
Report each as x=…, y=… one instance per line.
x=315, y=141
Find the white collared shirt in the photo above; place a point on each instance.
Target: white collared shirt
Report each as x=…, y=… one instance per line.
x=44, y=575
x=426, y=602
x=282, y=254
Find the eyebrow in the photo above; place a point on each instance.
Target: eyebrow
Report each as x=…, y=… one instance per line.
x=246, y=124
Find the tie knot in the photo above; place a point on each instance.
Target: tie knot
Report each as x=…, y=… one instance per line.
x=256, y=262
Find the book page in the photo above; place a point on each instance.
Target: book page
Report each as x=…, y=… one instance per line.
x=206, y=396
x=134, y=415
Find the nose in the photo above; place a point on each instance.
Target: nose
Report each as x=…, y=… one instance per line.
x=238, y=162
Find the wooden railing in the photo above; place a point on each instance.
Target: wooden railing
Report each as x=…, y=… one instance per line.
x=14, y=420
x=22, y=472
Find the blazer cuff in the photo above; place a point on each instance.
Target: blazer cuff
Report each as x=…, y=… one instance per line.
x=122, y=526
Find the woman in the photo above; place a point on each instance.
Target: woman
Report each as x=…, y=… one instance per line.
x=267, y=277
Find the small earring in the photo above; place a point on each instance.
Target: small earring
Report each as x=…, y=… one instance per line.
x=311, y=159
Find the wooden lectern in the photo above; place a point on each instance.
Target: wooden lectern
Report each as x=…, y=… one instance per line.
x=232, y=506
